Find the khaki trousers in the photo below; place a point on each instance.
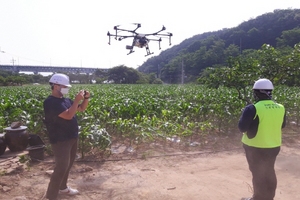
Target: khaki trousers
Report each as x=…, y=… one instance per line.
x=64, y=156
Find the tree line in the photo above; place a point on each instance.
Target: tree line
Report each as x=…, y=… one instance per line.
x=117, y=75
x=281, y=66
x=279, y=29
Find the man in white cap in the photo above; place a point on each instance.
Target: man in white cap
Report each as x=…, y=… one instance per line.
x=62, y=129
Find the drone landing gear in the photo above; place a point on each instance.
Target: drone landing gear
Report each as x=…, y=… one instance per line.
x=129, y=47
x=130, y=52
x=148, y=51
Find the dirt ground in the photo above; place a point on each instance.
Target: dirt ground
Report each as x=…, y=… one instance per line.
x=156, y=174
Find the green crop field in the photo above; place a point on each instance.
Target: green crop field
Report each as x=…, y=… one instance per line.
x=141, y=113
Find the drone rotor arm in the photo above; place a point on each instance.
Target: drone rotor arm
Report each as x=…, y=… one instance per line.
x=137, y=27
x=158, y=40
x=120, y=29
x=158, y=32
x=120, y=37
x=168, y=35
x=126, y=30
x=165, y=34
x=155, y=33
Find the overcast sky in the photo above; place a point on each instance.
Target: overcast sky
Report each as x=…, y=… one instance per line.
x=73, y=33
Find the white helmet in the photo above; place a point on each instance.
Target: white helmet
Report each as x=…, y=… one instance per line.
x=263, y=84
x=60, y=79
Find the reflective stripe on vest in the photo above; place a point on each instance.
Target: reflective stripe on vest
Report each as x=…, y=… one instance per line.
x=271, y=117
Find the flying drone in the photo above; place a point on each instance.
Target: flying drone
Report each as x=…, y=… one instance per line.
x=139, y=40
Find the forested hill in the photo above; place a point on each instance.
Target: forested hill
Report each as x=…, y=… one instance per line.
x=279, y=28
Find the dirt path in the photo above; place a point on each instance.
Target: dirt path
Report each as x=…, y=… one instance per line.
x=193, y=176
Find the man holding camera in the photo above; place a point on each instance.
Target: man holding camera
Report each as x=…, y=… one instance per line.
x=62, y=128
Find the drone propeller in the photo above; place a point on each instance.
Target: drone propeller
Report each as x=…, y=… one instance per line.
x=116, y=27
x=138, y=24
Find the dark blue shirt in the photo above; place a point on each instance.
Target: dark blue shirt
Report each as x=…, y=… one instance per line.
x=59, y=129
x=247, y=123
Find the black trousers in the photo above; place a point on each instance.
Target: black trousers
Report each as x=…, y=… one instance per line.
x=261, y=164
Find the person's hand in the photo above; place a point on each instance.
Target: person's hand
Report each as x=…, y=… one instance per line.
x=79, y=96
x=86, y=94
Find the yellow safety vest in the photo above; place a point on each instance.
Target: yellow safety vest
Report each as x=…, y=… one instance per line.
x=271, y=117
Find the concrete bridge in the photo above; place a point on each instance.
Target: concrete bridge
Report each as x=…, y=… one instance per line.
x=37, y=69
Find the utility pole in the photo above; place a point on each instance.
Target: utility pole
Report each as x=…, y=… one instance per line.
x=13, y=61
x=14, y=67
